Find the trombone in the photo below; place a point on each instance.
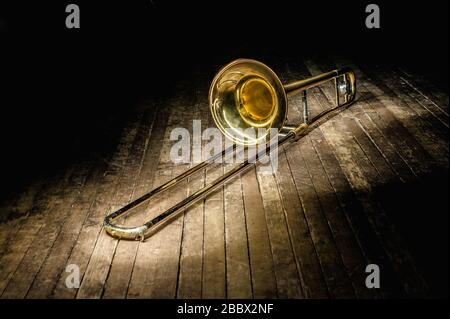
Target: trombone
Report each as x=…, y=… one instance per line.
x=244, y=94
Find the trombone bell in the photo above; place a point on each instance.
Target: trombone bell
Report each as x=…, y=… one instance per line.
x=246, y=94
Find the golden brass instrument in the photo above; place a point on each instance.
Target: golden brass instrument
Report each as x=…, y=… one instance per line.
x=244, y=94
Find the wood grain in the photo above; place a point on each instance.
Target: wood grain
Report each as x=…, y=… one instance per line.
x=306, y=230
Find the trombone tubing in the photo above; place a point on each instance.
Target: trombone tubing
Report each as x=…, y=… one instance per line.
x=143, y=231
x=296, y=87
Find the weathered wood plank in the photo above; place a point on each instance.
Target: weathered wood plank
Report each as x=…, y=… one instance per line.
x=55, y=263
x=343, y=235
x=190, y=272
x=23, y=278
x=92, y=225
x=425, y=88
x=354, y=212
x=214, y=260
x=168, y=271
x=397, y=156
x=288, y=281
x=261, y=261
x=308, y=266
x=162, y=271
x=28, y=229
x=348, y=203
x=191, y=259
x=430, y=129
x=214, y=245
x=337, y=280
x=396, y=124
x=399, y=83
x=16, y=211
x=145, y=259
x=116, y=285
x=146, y=269
x=238, y=267
x=99, y=265
x=156, y=269
x=413, y=283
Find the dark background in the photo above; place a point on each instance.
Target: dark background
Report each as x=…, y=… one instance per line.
x=63, y=92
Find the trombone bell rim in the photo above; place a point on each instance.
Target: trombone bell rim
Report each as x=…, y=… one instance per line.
x=244, y=110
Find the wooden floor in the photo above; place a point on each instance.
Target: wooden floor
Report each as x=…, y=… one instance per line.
x=307, y=231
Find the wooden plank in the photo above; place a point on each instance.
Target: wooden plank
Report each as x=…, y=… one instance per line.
x=354, y=212
x=349, y=127
x=399, y=83
x=31, y=263
x=16, y=205
x=169, y=274
x=363, y=183
x=413, y=283
x=191, y=259
x=369, y=131
x=429, y=129
x=15, y=211
x=424, y=87
x=359, y=172
x=162, y=269
x=100, y=262
x=214, y=246
x=285, y=268
x=190, y=273
x=55, y=263
x=397, y=156
x=214, y=260
x=390, y=118
x=376, y=166
x=164, y=282
x=116, y=285
x=351, y=254
x=336, y=279
x=238, y=268
x=308, y=266
x=123, y=264
x=358, y=226
x=386, y=135
x=146, y=269
x=92, y=225
x=261, y=260
x=145, y=260
x=22, y=238
x=155, y=273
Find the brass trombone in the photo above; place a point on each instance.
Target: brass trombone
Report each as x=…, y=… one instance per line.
x=245, y=93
